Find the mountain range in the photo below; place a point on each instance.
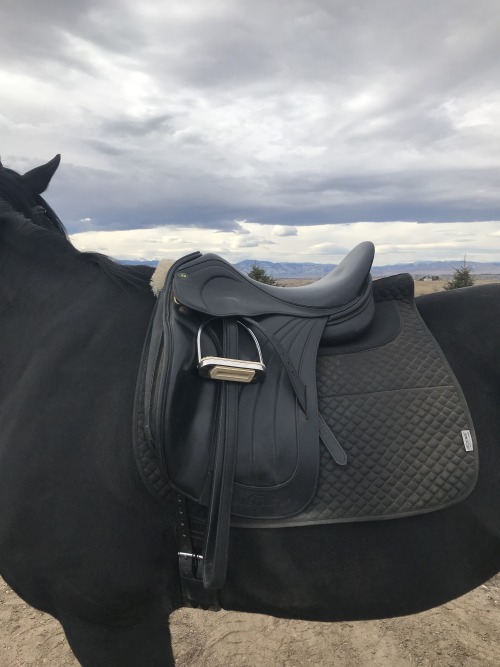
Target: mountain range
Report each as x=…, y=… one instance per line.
x=310, y=270
x=287, y=270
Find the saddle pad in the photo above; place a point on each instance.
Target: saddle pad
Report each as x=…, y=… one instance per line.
x=399, y=413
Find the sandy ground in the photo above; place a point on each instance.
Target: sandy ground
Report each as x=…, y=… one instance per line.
x=465, y=632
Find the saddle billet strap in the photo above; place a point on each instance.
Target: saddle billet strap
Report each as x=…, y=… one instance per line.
x=189, y=543
x=214, y=565
x=328, y=438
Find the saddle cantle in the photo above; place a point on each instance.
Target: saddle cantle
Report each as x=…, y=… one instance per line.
x=236, y=447
x=241, y=411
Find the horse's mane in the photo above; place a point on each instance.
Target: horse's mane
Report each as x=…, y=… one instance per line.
x=19, y=205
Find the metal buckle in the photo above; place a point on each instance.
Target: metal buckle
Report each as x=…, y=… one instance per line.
x=231, y=370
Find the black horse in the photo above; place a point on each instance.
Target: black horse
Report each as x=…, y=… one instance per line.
x=81, y=537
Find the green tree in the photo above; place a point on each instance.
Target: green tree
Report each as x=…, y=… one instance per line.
x=258, y=273
x=462, y=277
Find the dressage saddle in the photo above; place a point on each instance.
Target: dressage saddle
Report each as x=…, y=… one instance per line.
x=229, y=389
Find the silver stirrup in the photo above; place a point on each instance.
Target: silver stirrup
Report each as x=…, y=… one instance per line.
x=231, y=370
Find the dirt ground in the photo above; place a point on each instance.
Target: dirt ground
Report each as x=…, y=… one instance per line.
x=465, y=632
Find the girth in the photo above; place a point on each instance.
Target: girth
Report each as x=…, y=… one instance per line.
x=228, y=389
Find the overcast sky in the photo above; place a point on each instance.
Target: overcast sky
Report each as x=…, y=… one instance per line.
x=286, y=130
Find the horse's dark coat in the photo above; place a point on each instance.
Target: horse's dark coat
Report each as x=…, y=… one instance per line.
x=81, y=537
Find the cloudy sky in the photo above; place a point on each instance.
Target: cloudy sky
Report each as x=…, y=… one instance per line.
x=285, y=130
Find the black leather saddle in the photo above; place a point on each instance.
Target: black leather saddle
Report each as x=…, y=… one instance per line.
x=229, y=397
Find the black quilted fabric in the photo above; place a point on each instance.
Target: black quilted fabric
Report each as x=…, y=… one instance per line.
x=398, y=413
x=146, y=459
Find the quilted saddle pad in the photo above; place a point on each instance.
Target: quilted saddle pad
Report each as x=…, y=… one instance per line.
x=398, y=411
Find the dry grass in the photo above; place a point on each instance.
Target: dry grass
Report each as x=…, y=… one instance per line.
x=430, y=286
x=421, y=286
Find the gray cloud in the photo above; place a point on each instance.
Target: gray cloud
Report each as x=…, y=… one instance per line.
x=281, y=230
x=287, y=114
x=330, y=249
x=135, y=127
x=106, y=147
x=115, y=201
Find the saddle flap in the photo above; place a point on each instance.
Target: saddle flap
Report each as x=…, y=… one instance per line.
x=277, y=444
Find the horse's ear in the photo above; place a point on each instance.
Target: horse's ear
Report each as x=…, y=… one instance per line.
x=37, y=180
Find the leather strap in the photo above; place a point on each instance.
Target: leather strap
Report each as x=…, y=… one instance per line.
x=219, y=509
x=330, y=441
x=189, y=545
x=298, y=386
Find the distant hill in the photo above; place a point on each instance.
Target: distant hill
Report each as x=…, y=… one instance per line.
x=310, y=270
x=289, y=270
x=135, y=262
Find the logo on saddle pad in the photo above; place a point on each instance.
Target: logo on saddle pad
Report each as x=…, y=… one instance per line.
x=261, y=500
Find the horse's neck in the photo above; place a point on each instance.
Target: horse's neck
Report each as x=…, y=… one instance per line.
x=37, y=283
x=70, y=341
x=44, y=287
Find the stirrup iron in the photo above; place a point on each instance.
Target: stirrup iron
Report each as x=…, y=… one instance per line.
x=231, y=370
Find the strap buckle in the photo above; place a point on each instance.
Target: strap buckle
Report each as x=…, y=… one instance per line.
x=231, y=370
